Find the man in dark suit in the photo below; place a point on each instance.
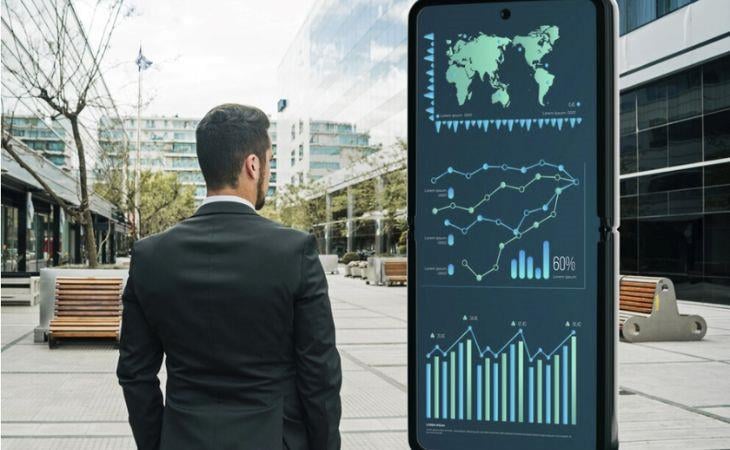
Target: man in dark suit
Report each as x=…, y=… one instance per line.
x=238, y=304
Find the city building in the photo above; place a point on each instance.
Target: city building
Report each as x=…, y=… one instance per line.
x=35, y=232
x=346, y=69
x=348, y=65
x=311, y=149
x=45, y=136
x=274, y=162
x=674, y=68
x=167, y=144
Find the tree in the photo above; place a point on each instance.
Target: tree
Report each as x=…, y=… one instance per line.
x=47, y=65
x=295, y=207
x=164, y=200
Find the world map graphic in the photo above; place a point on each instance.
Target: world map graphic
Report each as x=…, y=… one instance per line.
x=481, y=56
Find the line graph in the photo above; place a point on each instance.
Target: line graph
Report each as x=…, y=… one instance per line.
x=519, y=335
x=512, y=383
x=549, y=209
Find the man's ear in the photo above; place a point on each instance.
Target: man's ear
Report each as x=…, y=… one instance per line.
x=253, y=166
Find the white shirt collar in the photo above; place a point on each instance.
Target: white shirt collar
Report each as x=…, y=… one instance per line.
x=227, y=198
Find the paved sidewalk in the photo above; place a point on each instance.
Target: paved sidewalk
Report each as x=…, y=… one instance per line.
x=674, y=395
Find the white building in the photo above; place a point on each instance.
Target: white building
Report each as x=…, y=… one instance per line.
x=168, y=145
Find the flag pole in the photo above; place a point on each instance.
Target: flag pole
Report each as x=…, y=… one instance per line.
x=136, y=162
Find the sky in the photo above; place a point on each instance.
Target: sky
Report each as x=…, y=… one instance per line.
x=203, y=53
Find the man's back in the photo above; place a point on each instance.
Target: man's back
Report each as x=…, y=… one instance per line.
x=239, y=306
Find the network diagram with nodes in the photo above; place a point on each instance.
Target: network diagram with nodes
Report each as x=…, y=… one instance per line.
x=547, y=181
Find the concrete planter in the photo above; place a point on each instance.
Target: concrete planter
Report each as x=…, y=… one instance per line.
x=48, y=292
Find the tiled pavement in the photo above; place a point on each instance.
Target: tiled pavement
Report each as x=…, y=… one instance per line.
x=674, y=395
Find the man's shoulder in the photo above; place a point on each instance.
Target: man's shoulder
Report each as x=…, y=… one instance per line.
x=146, y=243
x=282, y=234
x=289, y=234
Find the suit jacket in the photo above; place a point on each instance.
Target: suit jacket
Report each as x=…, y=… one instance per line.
x=238, y=305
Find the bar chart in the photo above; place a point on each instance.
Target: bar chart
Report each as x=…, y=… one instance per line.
x=511, y=385
x=525, y=266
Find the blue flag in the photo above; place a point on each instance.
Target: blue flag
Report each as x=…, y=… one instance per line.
x=142, y=62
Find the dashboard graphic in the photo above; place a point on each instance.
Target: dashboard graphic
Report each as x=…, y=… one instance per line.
x=475, y=61
x=505, y=229
x=542, y=183
x=510, y=383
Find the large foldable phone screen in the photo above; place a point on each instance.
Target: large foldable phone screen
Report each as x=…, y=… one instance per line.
x=511, y=219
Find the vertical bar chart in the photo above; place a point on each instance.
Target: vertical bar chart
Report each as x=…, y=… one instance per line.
x=444, y=395
x=526, y=266
x=461, y=380
x=513, y=384
x=428, y=390
x=437, y=386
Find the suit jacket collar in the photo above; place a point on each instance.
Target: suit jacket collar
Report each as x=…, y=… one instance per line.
x=224, y=207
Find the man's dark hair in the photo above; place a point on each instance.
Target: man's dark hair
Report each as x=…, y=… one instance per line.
x=225, y=137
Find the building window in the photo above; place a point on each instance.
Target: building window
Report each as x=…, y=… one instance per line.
x=321, y=150
x=636, y=13
x=39, y=243
x=678, y=120
x=716, y=85
x=9, y=239
x=324, y=165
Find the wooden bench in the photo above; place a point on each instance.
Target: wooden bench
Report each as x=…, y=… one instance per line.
x=648, y=312
x=395, y=272
x=86, y=308
x=21, y=291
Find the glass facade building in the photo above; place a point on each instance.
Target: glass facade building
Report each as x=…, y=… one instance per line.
x=35, y=231
x=346, y=67
x=637, y=13
x=675, y=145
x=675, y=182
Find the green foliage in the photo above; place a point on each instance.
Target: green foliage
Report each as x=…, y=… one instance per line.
x=291, y=207
x=349, y=257
x=164, y=201
x=364, y=198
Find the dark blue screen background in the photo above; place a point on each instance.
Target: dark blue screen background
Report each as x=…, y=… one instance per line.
x=494, y=310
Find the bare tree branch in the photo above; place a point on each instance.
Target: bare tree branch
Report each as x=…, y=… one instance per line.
x=8, y=145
